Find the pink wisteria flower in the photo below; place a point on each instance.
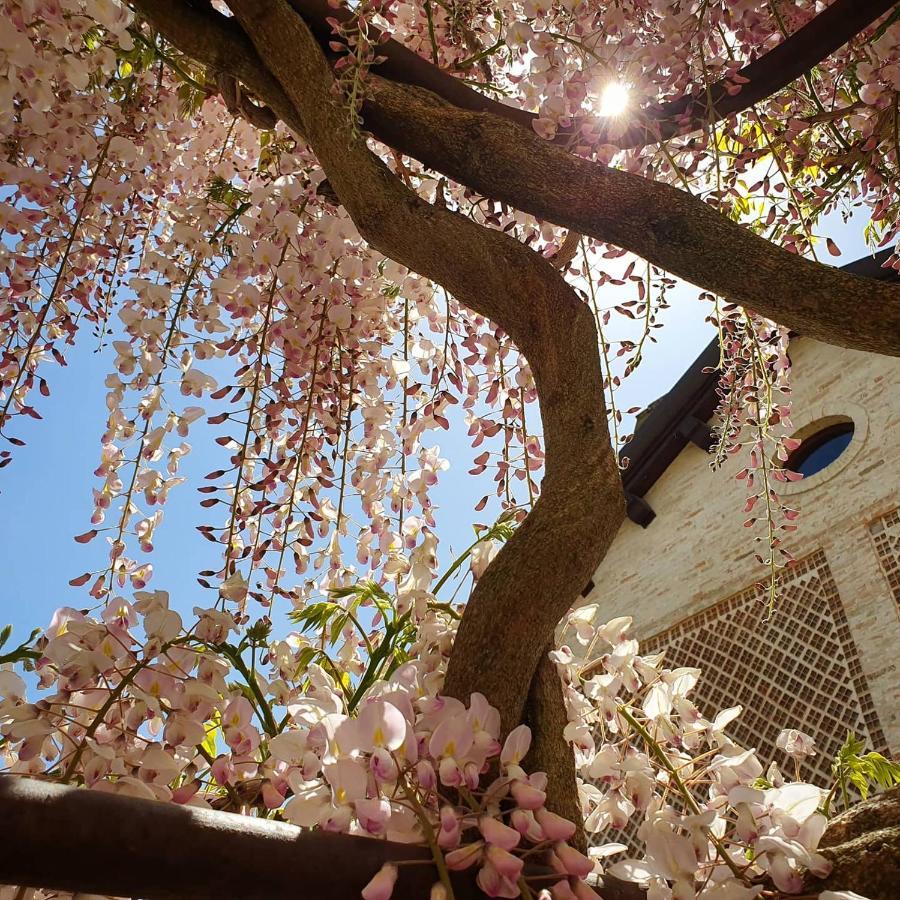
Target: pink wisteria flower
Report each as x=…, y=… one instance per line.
x=796, y=744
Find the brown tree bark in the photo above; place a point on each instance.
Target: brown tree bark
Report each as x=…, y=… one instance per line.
x=516, y=605
x=775, y=70
x=660, y=223
x=73, y=839
x=545, y=713
x=863, y=846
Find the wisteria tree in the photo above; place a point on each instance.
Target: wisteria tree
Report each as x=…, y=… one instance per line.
x=319, y=226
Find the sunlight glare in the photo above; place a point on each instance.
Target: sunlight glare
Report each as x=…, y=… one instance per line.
x=613, y=100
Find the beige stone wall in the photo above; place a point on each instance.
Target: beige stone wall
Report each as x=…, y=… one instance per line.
x=697, y=552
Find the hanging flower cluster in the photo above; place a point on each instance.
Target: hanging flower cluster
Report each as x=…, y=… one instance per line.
x=209, y=260
x=412, y=770
x=213, y=268
x=712, y=818
x=755, y=416
x=158, y=718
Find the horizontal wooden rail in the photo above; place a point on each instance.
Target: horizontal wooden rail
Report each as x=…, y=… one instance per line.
x=77, y=840
x=72, y=839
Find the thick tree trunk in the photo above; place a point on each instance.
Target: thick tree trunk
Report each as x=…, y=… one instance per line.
x=71, y=839
x=518, y=602
x=77, y=840
x=863, y=845
x=545, y=712
x=513, y=612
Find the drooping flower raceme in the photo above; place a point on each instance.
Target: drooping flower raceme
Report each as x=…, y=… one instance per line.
x=710, y=822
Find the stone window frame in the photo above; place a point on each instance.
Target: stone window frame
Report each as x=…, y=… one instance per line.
x=820, y=415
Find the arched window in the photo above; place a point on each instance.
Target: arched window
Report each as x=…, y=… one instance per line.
x=823, y=443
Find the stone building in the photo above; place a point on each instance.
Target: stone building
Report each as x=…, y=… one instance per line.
x=684, y=566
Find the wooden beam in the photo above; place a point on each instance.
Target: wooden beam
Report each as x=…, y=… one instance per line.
x=72, y=839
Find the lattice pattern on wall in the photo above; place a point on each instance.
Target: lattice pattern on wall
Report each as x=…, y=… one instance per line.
x=799, y=670
x=885, y=533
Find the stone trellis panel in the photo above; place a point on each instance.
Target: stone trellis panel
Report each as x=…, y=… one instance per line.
x=885, y=532
x=798, y=670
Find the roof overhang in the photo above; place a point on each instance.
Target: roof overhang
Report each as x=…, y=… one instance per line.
x=680, y=416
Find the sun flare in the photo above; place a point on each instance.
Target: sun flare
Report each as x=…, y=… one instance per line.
x=613, y=99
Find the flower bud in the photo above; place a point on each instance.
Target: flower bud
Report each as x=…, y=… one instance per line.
x=382, y=885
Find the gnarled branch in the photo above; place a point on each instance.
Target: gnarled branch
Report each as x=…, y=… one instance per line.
x=668, y=227
x=72, y=839
x=112, y=844
x=514, y=609
x=863, y=846
x=775, y=70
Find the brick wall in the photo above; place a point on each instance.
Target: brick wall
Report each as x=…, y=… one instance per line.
x=696, y=553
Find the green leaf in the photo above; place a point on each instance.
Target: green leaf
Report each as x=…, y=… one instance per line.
x=259, y=632
x=24, y=653
x=92, y=38
x=304, y=658
x=315, y=615
x=884, y=772
x=337, y=626
x=853, y=768
x=209, y=742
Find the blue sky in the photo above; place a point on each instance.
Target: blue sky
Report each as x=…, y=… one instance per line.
x=45, y=494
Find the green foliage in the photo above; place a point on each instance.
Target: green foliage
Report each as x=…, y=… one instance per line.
x=863, y=771
x=93, y=38
x=212, y=729
x=330, y=617
x=271, y=149
x=24, y=653
x=258, y=633
x=502, y=530
x=224, y=192
x=144, y=54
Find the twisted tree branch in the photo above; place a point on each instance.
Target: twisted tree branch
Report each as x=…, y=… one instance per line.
x=660, y=223
x=500, y=159
x=518, y=602
x=775, y=70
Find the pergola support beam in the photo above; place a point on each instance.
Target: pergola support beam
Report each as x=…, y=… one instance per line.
x=71, y=839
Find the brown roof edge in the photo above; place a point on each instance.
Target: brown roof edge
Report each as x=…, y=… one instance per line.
x=679, y=417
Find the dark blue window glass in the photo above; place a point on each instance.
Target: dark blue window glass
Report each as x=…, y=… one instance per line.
x=820, y=449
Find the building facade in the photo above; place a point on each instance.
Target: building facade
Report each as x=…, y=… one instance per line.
x=684, y=567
